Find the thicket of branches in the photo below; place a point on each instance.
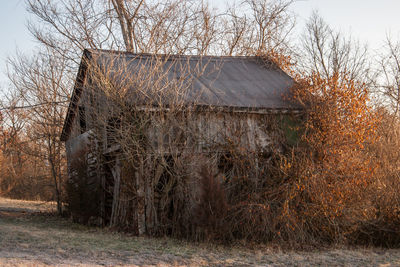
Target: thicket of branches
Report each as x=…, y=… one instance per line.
x=331, y=175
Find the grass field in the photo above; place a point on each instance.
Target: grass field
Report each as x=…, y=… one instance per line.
x=31, y=236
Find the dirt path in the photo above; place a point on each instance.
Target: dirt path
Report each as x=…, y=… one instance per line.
x=31, y=237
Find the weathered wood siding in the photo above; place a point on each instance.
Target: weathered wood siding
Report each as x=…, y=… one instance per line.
x=206, y=131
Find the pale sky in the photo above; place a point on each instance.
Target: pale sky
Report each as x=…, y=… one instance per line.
x=368, y=20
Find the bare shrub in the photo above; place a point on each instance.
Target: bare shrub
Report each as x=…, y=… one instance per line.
x=382, y=227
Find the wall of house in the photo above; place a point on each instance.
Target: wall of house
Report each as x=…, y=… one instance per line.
x=206, y=131
x=201, y=132
x=79, y=138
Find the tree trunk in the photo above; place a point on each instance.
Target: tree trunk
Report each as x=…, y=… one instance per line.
x=56, y=186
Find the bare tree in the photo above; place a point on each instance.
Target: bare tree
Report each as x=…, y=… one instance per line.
x=128, y=17
x=35, y=81
x=12, y=157
x=168, y=27
x=23, y=174
x=327, y=52
x=389, y=76
x=255, y=27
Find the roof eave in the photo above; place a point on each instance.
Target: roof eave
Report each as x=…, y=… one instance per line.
x=81, y=75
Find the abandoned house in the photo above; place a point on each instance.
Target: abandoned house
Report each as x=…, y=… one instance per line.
x=143, y=121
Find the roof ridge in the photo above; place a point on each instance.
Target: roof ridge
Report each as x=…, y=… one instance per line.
x=90, y=50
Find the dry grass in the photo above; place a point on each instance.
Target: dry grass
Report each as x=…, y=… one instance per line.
x=26, y=206
x=29, y=238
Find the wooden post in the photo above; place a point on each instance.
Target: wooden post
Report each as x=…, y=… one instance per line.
x=116, y=173
x=140, y=199
x=149, y=197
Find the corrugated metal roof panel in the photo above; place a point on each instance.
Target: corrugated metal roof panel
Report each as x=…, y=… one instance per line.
x=238, y=82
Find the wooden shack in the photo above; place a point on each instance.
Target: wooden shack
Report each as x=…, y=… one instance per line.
x=194, y=107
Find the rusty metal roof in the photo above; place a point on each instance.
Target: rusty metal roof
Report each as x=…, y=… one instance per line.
x=233, y=82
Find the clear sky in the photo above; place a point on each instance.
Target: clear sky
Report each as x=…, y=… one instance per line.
x=368, y=20
x=13, y=32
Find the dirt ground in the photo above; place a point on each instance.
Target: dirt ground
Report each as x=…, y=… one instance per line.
x=31, y=236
